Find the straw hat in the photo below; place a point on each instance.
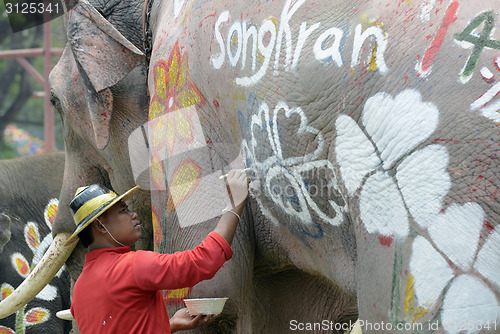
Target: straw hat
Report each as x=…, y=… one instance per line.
x=92, y=201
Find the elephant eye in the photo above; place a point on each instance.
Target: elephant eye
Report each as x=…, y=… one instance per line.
x=55, y=100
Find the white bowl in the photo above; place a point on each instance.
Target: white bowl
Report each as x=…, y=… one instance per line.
x=205, y=305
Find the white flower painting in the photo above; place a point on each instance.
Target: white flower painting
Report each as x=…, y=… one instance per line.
x=399, y=180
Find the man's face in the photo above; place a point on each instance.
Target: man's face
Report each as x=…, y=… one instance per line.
x=122, y=223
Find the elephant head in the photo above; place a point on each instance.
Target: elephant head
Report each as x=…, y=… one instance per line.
x=98, y=87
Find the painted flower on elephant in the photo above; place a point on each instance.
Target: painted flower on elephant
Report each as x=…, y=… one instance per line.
x=373, y=158
x=173, y=91
x=5, y=290
x=50, y=212
x=35, y=316
x=172, y=125
x=287, y=177
x=6, y=330
x=466, y=289
x=26, y=318
x=403, y=183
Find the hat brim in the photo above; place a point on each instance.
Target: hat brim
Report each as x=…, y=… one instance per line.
x=96, y=213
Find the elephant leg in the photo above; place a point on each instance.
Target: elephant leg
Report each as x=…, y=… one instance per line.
x=301, y=298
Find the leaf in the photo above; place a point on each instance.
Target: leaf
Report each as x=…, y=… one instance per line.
x=36, y=316
x=5, y=290
x=354, y=152
x=431, y=272
x=382, y=208
x=398, y=125
x=488, y=259
x=31, y=235
x=50, y=212
x=49, y=293
x=20, y=264
x=456, y=232
x=468, y=298
x=6, y=330
x=424, y=182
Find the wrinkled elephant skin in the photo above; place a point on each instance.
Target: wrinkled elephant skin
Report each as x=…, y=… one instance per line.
x=372, y=131
x=28, y=206
x=370, y=128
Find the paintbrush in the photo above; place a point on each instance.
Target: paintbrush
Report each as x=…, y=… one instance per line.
x=246, y=170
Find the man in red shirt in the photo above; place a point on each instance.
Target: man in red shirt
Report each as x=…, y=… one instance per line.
x=118, y=290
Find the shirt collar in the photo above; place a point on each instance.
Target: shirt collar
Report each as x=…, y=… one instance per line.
x=92, y=255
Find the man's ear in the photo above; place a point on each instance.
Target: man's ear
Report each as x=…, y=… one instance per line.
x=103, y=57
x=98, y=227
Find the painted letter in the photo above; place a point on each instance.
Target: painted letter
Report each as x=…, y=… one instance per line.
x=284, y=28
x=266, y=51
x=480, y=42
x=303, y=34
x=247, y=33
x=449, y=18
x=218, y=60
x=235, y=28
x=334, y=50
x=381, y=45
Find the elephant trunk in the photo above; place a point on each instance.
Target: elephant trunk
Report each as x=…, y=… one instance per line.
x=47, y=268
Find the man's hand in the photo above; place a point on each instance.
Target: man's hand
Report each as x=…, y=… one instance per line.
x=237, y=189
x=182, y=320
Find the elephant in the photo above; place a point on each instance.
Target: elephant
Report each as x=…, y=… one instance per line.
x=367, y=175
x=374, y=188
x=28, y=206
x=98, y=114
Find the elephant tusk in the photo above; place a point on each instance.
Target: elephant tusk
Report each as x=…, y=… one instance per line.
x=47, y=268
x=356, y=329
x=65, y=315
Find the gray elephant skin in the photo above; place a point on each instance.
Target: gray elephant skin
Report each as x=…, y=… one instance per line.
x=29, y=190
x=371, y=130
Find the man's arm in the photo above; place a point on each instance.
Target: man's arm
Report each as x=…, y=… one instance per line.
x=154, y=271
x=237, y=188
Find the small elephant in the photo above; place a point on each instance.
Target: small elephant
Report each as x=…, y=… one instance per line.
x=29, y=190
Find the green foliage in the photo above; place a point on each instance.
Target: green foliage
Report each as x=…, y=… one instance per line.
x=6, y=151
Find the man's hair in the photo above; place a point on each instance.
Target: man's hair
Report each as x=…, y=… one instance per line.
x=86, y=236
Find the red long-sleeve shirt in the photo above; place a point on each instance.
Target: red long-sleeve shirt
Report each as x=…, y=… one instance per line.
x=119, y=290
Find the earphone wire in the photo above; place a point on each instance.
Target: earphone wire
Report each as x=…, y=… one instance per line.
x=119, y=243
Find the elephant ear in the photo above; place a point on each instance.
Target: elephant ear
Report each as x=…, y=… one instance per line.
x=103, y=57
x=4, y=230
